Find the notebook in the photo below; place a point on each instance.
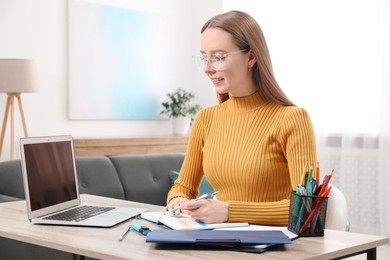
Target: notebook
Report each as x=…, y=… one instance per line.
x=185, y=222
x=51, y=186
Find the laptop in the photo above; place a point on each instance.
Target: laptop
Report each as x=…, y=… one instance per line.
x=51, y=186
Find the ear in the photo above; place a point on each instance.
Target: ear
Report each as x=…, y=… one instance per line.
x=251, y=59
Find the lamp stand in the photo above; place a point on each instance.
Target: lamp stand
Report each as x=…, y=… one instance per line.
x=10, y=109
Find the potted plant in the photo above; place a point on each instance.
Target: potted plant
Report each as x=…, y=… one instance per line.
x=179, y=108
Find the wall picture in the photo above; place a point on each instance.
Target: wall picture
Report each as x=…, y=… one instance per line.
x=119, y=59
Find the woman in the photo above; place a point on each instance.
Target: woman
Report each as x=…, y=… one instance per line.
x=253, y=146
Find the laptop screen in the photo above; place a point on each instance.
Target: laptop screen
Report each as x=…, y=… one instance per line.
x=50, y=173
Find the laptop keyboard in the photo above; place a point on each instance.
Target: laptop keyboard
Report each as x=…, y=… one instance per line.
x=79, y=213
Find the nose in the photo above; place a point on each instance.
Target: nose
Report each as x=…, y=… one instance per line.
x=207, y=67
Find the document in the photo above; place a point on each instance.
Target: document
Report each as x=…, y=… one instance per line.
x=185, y=222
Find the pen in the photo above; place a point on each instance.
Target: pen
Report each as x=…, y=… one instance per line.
x=137, y=227
x=124, y=233
x=209, y=195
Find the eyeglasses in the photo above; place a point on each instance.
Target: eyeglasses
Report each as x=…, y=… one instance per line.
x=215, y=61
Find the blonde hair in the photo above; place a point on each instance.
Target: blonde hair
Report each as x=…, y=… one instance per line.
x=248, y=35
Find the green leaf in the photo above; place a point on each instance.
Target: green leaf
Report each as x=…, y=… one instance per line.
x=179, y=104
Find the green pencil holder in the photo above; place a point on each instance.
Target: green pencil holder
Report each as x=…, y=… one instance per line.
x=299, y=214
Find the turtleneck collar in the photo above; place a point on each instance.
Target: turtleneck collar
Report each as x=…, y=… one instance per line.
x=243, y=104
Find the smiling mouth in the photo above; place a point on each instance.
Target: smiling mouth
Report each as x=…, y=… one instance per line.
x=216, y=80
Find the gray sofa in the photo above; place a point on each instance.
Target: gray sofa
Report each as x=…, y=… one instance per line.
x=141, y=178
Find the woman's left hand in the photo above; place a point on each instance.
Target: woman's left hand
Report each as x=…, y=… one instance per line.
x=207, y=211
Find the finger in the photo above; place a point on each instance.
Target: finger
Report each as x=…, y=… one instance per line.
x=193, y=205
x=196, y=215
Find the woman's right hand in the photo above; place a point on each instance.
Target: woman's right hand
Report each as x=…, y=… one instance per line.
x=175, y=202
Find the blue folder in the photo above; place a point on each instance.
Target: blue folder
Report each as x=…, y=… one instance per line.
x=218, y=237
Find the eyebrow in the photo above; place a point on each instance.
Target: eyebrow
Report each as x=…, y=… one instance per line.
x=213, y=52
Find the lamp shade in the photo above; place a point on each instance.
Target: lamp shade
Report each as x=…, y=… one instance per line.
x=18, y=76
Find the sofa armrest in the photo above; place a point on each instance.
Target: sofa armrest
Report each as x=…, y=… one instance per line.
x=11, y=181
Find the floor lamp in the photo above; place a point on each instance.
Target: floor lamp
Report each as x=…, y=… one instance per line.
x=16, y=76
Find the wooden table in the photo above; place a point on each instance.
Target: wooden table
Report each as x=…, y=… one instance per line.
x=102, y=243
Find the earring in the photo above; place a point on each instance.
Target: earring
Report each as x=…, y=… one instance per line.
x=249, y=68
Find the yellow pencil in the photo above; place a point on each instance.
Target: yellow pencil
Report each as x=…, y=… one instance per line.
x=305, y=173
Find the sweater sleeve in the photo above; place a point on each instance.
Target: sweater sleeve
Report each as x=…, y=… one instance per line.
x=297, y=141
x=191, y=173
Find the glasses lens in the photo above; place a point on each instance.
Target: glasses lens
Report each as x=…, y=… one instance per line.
x=213, y=62
x=199, y=61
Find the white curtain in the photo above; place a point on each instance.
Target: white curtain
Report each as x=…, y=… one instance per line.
x=383, y=195
x=362, y=158
x=356, y=160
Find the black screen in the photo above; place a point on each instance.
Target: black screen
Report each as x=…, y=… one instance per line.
x=50, y=173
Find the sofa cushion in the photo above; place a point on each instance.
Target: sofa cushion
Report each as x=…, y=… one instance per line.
x=97, y=176
x=145, y=177
x=204, y=187
x=11, y=184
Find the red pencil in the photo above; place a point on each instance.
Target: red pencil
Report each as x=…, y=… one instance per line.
x=325, y=184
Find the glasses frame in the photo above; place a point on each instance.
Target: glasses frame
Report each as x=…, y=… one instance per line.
x=201, y=60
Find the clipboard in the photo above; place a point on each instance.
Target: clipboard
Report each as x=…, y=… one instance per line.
x=226, y=238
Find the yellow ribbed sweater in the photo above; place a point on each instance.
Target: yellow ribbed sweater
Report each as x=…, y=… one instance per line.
x=253, y=153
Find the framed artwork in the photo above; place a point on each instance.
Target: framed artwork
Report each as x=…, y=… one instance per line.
x=119, y=57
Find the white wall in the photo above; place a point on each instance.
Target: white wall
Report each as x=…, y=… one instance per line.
x=37, y=29
x=322, y=50
x=327, y=57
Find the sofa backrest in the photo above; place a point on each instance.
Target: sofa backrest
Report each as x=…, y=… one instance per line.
x=97, y=176
x=141, y=178
x=145, y=178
